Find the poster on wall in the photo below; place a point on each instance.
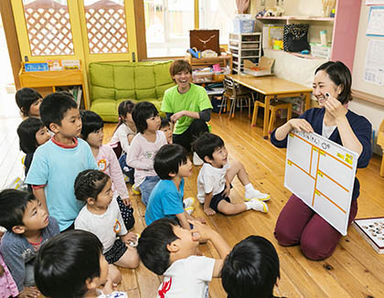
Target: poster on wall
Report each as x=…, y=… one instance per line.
x=374, y=63
x=375, y=25
x=374, y=2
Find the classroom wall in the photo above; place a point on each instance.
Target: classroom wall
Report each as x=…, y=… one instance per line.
x=374, y=113
x=292, y=7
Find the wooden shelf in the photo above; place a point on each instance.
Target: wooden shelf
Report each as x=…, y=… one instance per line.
x=53, y=79
x=288, y=19
x=223, y=60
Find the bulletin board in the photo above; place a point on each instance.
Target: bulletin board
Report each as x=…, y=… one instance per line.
x=363, y=86
x=321, y=173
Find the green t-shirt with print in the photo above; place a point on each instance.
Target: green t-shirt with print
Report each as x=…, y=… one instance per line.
x=194, y=100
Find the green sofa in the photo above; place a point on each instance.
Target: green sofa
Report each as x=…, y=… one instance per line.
x=113, y=82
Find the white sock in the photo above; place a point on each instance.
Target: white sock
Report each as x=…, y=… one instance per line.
x=249, y=205
x=249, y=186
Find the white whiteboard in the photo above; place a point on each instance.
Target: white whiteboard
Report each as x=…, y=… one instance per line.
x=322, y=174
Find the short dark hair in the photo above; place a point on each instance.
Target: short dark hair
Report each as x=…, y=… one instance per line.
x=92, y=122
x=65, y=262
x=89, y=183
x=340, y=75
x=179, y=65
x=251, y=267
x=206, y=144
x=152, y=247
x=25, y=97
x=54, y=106
x=168, y=160
x=12, y=207
x=141, y=112
x=27, y=134
x=165, y=123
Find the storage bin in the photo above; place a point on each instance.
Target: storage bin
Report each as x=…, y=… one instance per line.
x=318, y=50
x=244, y=23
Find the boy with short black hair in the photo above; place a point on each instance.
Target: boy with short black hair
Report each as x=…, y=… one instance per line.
x=28, y=100
x=251, y=267
x=215, y=177
x=72, y=265
x=166, y=200
x=28, y=227
x=56, y=163
x=167, y=249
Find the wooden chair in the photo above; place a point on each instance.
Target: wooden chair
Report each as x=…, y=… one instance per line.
x=235, y=94
x=380, y=142
x=275, y=105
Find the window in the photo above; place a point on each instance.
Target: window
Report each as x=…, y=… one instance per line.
x=217, y=14
x=167, y=24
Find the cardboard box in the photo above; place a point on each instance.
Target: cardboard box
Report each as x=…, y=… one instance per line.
x=264, y=68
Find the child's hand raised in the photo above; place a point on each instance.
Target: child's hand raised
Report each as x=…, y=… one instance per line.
x=200, y=231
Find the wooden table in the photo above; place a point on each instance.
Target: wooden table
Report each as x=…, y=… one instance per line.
x=273, y=88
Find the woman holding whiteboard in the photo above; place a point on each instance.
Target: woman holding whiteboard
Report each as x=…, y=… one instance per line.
x=297, y=223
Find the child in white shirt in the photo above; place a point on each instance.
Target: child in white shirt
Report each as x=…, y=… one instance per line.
x=144, y=147
x=92, y=133
x=167, y=249
x=215, y=177
x=101, y=216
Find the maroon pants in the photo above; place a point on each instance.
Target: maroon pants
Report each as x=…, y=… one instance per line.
x=299, y=224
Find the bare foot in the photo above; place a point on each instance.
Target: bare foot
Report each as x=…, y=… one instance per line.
x=29, y=292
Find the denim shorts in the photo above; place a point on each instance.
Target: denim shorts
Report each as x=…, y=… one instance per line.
x=146, y=187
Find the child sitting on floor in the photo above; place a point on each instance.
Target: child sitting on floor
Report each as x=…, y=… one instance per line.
x=144, y=147
x=102, y=217
x=123, y=136
x=215, y=177
x=56, y=163
x=166, y=128
x=251, y=267
x=28, y=100
x=166, y=200
x=167, y=249
x=72, y=265
x=92, y=133
x=32, y=133
x=28, y=227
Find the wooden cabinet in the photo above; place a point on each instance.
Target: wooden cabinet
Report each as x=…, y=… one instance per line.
x=222, y=60
x=244, y=46
x=54, y=79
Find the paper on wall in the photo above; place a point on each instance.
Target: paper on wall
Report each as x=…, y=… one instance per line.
x=375, y=25
x=374, y=63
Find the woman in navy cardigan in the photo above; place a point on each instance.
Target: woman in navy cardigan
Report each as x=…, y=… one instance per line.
x=297, y=223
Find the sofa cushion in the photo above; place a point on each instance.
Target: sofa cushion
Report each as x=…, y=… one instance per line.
x=106, y=108
x=124, y=77
x=125, y=94
x=145, y=82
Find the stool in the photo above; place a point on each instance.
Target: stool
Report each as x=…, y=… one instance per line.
x=380, y=141
x=273, y=108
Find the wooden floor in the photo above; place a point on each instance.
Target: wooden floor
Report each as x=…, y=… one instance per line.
x=355, y=269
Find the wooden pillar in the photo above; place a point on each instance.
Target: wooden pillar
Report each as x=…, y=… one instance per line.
x=11, y=37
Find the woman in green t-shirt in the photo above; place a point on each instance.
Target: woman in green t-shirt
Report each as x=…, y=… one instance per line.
x=186, y=105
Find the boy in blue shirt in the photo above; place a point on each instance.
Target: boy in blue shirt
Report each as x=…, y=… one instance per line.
x=28, y=227
x=57, y=163
x=166, y=200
